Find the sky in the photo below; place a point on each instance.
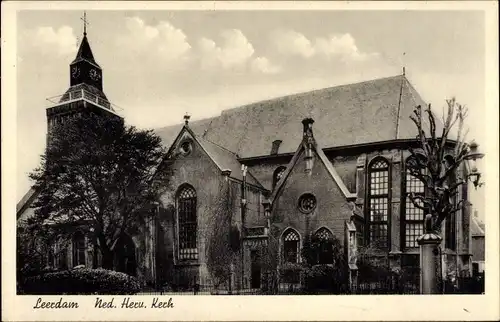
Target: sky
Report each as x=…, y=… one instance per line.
x=159, y=65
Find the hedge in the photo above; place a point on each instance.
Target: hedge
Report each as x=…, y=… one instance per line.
x=82, y=281
x=325, y=278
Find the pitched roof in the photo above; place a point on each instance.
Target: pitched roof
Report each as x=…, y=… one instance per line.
x=344, y=115
x=169, y=133
x=477, y=227
x=222, y=158
x=85, y=53
x=226, y=159
x=26, y=201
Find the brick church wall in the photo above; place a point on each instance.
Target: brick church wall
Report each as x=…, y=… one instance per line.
x=199, y=171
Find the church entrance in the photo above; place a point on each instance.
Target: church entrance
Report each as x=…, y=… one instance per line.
x=125, y=256
x=255, y=276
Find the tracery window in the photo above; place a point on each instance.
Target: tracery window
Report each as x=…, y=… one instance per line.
x=307, y=203
x=325, y=251
x=413, y=217
x=278, y=173
x=187, y=223
x=379, y=201
x=79, y=250
x=291, y=242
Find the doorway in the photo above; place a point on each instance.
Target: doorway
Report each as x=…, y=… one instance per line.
x=256, y=269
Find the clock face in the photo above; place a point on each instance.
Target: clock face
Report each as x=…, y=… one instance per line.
x=94, y=75
x=75, y=72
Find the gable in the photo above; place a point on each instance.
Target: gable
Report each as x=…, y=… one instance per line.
x=320, y=162
x=222, y=158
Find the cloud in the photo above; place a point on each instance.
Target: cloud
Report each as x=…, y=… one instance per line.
x=164, y=39
x=341, y=46
x=51, y=41
x=263, y=65
x=234, y=51
x=292, y=43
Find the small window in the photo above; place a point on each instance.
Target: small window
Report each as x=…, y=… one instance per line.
x=186, y=147
x=307, y=203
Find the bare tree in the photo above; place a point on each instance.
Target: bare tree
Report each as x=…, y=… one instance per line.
x=438, y=162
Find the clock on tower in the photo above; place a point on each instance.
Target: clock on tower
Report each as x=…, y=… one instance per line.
x=84, y=69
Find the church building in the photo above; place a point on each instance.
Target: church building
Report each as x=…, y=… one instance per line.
x=329, y=163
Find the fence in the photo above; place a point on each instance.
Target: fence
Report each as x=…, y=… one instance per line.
x=392, y=283
x=464, y=285
x=405, y=282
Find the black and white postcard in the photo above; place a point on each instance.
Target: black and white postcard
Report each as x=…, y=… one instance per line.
x=250, y=160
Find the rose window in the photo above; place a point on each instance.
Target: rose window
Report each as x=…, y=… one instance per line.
x=307, y=203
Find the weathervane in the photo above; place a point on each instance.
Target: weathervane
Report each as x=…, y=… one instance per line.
x=404, y=71
x=85, y=23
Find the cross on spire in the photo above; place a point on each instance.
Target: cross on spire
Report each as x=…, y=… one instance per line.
x=85, y=23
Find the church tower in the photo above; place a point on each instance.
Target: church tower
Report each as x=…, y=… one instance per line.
x=85, y=93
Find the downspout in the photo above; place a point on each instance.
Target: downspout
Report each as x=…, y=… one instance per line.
x=226, y=173
x=243, y=214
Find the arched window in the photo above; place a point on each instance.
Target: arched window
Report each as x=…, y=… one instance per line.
x=291, y=244
x=187, y=223
x=61, y=254
x=413, y=217
x=278, y=173
x=379, y=201
x=79, y=249
x=125, y=255
x=325, y=250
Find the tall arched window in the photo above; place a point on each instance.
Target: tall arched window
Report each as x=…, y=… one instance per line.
x=379, y=188
x=278, y=173
x=79, y=249
x=187, y=223
x=325, y=251
x=413, y=217
x=291, y=245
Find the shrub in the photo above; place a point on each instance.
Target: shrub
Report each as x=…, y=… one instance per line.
x=290, y=273
x=82, y=281
x=324, y=278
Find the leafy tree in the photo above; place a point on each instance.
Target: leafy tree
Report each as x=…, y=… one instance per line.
x=438, y=161
x=222, y=239
x=100, y=174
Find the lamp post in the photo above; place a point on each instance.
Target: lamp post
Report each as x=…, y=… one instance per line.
x=474, y=175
